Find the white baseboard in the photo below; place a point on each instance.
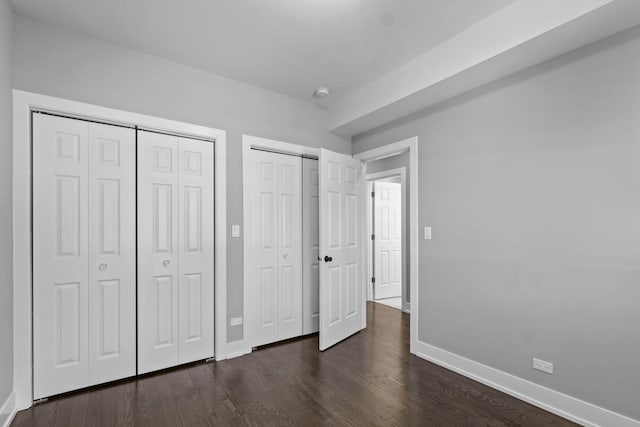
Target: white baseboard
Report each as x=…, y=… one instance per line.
x=236, y=349
x=568, y=407
x=8, y=410
x=406, y=307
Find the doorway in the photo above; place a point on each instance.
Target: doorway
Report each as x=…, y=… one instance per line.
x=388, y=248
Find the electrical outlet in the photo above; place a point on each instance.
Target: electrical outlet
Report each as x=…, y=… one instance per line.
x=235, y=230
x=543, y=366
x=235, y=321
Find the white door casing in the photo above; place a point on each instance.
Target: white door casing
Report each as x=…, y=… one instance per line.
x=274, y=310
x=112, y=253
x=84, y=260
x=157, y=251
x=341, y=282
x=195, y=248
x=311, y=247
x=388, y=240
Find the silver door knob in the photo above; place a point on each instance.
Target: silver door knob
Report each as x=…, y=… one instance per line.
x=102, y=266
x=285, y=256
x=166, y=262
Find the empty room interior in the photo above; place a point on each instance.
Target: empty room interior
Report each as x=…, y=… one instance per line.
x=320, y=212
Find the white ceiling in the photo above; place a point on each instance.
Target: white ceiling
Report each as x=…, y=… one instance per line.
x=288, y=46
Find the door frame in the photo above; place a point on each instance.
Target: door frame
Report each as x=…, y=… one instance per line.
x=244, y=346
x=410, y=145
x=370, y=179
x=23, y=104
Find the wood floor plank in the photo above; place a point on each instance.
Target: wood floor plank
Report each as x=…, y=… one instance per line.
x=369, y=379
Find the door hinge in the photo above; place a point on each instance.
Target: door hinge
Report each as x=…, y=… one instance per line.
x=373, y=280
x=373, y=237
x=373, y=194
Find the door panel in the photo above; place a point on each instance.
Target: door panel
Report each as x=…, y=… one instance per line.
x=112, y=260
x=60, y=255
x=274, y=303
x=310, y=252
x=163, y=291
x=108, y=322
x=157, y=251
x=289, y=197
x=262, y=229
x=388, y=242
x=196, y=244
x=269, y=300
x=341, y=285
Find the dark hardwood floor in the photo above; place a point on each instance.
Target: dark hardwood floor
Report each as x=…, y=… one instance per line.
x=369, y=379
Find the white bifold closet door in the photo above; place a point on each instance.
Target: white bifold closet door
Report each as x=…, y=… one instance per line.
x=83, y=254
x=311, y=247
x=274, y=291
x=175, y=250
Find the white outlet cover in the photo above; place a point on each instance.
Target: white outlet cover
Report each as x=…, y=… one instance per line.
x=235, y=321
x=542, y=365
x=235, y=230
x=427, y=233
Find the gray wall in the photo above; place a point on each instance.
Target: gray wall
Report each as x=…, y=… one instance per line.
x=67, y=65
x=532, y=187
x=389, y=163
x=6, y=206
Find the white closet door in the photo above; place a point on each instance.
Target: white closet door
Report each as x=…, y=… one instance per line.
x=274, y=300
x=310, y=236
x=262, y=229
x=388, y=240
x=112, y=256
x=60, y=255
x=289, y=174
x=342, y=301
x=157, y=251
x=196, y=243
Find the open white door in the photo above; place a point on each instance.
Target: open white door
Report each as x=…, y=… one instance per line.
x=342, y=311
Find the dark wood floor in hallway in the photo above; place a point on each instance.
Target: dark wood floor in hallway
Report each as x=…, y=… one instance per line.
x=369, y=379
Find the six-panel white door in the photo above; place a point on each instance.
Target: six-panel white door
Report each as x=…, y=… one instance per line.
x=342, y=310
x=262, y=230
x=157, y=251
x=195, y=248
x=112, y=253
x=388, y=240
x=83, y=254
x=311, y=247
x=289, y=238
x=274, y=310
x=175, y=251
x=60, y=255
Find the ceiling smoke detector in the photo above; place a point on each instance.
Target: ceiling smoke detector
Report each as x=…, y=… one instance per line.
x=321, y=92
